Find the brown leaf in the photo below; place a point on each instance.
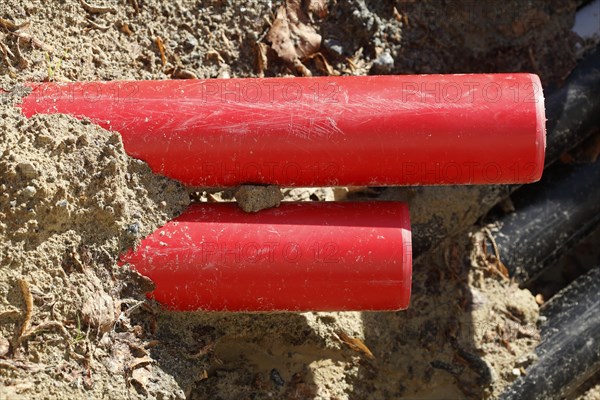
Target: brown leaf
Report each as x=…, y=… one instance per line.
x=8, y=25
x=323, y=65
x=279, y=36
x=179, y=73
x=291, y=39
x=139, y=379
x=355, y=344
x=139, y=363
x=318, y=7
x=126, y=29
x=261, y=59
x=308, y=40
x=98, y=312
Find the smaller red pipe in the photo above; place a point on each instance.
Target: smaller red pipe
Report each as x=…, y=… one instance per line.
x=298, y=257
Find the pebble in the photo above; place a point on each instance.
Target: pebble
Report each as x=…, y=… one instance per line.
x=276, y=378
x=27, y=169
x=384, y=63
x=190, y=43
x=253, y=198
x=334, y=46
x=29, y=191
x=134, y=228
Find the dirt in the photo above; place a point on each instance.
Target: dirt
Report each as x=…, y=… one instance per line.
x=73, y=323
x=71, y=200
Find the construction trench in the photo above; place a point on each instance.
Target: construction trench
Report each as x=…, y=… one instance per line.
x=450, y=253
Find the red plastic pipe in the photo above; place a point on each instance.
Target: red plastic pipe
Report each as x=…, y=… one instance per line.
x=322, y=131
x=298, y=257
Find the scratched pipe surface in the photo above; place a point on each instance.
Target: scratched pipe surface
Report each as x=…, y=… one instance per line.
x=321, y=256
x=322, y=131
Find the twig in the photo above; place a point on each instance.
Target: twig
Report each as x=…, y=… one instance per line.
x=8, y=314
x=33, y=41
x=6, y=364
x=45, y=326
x=97, y=26
x=11, y=26
x=5, y=50
x=23, y=63
x=6, y=53
x=96, y=9
x=28, y=298
x=500, y=268
x=161, y=49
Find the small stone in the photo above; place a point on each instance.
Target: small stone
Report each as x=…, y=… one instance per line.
x=252, y=198
x=516, y=372
x=27, y=169
x=134, y=228
x=4, y=346
x=526, y=360
x=276, y=378
x=383, y=64
x=190, y=43
x=62, y=203
x=334, y=46
x=29, y=191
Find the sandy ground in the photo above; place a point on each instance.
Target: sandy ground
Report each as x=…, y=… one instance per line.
x=73, y=324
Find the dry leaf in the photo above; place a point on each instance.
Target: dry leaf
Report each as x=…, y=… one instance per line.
x=355, y=344
x=140, y=362
x=279, y=36
x=261, y=59
x=139, y=379
x=291, y=39
x=179, y=73
x=98, y=312
x=318, y=7
x=126, y=29
x=323, y=65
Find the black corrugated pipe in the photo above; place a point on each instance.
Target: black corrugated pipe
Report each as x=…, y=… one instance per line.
x=552, y=215
x=569, y=353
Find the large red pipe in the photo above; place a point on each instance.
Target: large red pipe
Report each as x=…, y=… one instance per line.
x=368, y=130
x=298, y=257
